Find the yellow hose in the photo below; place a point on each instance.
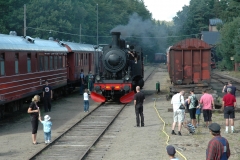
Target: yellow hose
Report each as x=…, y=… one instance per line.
x=163, y=130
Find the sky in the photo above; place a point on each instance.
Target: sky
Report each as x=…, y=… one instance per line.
x=165, y=9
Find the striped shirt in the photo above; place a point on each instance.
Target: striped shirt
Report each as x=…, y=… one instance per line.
x=191, y=127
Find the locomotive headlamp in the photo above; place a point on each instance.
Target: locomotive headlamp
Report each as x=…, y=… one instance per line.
x=98, y=78
x=127, y=77
x=97, y=88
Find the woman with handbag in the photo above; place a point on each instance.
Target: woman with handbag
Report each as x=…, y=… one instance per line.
x=178, y=111
x=34, y=112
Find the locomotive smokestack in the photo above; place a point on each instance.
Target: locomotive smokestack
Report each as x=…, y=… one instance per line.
x=115, y=38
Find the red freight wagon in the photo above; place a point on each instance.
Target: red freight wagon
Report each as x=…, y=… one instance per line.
x=25, y=64
x=189, y=63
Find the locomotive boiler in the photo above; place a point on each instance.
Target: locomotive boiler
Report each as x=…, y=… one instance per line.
x=120, y=70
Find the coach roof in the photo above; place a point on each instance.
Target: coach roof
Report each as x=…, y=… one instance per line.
x=76, y=47
x=17, y=43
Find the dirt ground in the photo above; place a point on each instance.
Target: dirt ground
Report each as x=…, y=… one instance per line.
x=130, y=143
x=150, y=142
x=15, y=136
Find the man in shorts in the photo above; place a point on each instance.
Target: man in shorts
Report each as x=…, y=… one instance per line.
x=192, y=108
x=178, y=114
x=228, y=105
x=207, y=103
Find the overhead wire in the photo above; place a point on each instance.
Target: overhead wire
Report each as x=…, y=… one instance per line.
x=82, y=35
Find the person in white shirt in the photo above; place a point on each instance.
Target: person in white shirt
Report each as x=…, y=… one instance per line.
x=86, y=101
x=178, y=114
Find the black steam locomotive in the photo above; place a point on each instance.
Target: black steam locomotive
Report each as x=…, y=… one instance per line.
x=120, y=70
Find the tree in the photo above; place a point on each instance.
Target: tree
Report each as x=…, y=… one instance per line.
x=229, y=42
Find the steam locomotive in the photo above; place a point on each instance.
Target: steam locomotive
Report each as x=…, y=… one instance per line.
x=118, y=72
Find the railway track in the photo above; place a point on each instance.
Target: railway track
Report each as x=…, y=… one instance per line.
x=224, y=79
x=78, y=141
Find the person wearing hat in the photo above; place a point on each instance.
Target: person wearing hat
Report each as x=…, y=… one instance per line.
x=171, y=152
x=218, y=146
x=47, y=125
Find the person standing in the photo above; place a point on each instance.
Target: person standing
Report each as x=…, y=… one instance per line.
x=34, y=111
x=192, y=107
x=81, y=82
x=90, y=81
x=47, y=96
x=198, y=114
x=86, y=101
x=228, y=106
x=218, y=146
x=207, y=103
x=229, y=85
x=171, y=152
x=47, y=125
x=178, y=114
x=139, y=98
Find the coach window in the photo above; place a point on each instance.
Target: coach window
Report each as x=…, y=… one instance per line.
x=60, y=65
x=2, y=64
x=45, y=63
x=92, y=58
x=81, y=61
x=55, y=62
x=86, y=61
x=63, y=61
x=40, y=63
x=29, y=62
x=50, y=62
x=16, y=62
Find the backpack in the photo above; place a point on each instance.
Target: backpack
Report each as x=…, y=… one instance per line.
x=195, y=102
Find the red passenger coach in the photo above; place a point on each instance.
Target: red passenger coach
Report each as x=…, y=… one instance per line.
x=189, y=64
x=80, y=56
x=25, y=64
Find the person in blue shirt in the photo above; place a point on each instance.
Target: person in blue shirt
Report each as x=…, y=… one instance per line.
x=229, y=85
x=198, y=114
x=47, y=126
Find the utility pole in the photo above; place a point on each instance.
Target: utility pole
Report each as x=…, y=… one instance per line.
x=25, y=27
x=80, y=34
x=97, y=25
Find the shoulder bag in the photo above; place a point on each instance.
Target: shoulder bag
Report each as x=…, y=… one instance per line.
x=181, y=106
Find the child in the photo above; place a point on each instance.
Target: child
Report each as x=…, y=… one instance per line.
x=46, y=128
x=86, y=101
x=171, y=152
x=198, y=113
x=187, y=124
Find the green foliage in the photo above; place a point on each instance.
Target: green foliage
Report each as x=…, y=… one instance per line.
x=230, y=42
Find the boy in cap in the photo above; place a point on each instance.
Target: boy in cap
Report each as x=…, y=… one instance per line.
x=171, y=152
x=47, y=125
x=218, y=147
